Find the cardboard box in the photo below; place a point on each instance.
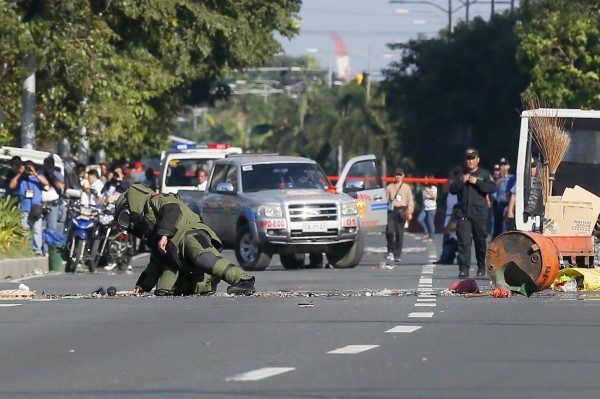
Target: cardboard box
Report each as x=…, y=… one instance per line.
x=572, y=214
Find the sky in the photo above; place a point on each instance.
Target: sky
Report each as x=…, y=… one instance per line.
x=366, y=26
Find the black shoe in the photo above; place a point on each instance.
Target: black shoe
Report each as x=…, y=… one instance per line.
x=244, y=287
x=463, y=274
x=480, y=273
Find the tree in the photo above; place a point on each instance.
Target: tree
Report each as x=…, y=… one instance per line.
x=458, y=90
x=560, y=48
x=123, y=69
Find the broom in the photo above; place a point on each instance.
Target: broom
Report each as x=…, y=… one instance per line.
x=548, y=132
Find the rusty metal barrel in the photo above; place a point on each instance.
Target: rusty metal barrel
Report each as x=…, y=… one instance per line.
x=524, y=258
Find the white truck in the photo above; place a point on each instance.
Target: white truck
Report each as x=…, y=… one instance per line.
x=179, y=164
x=263, y=204
x=580, y=165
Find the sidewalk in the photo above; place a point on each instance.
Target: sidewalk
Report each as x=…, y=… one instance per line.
x=13, y=268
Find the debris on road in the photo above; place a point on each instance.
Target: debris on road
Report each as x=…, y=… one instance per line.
x=17, y=294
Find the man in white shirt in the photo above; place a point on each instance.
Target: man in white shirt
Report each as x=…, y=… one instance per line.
x=202, y=179
x=95, y=187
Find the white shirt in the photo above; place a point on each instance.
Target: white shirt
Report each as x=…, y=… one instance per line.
x=202, y=186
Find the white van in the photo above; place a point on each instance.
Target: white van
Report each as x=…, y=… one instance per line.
x=179, y=164
x=37, y=157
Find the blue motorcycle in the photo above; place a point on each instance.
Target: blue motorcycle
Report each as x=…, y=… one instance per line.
x=81, y=219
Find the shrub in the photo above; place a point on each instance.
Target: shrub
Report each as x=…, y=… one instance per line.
x=14, y=238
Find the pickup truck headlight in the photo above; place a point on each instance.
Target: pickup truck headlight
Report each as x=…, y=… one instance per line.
x=270, y=211
x=349, y=208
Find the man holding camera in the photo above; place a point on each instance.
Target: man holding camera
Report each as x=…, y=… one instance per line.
x=28, y=184
x=472, y=188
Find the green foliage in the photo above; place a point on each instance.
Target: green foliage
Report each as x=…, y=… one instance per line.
x=122, y=69
x=561, y=51
x=13, y=236
x=456, y=91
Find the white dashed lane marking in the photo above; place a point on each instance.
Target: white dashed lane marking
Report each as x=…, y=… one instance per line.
x=8, y=305
x=421, y=314
x=260, y=374
x=425, y=304
x=353, y=349
x=426, y=299
x=426, y=280
x=403, y=329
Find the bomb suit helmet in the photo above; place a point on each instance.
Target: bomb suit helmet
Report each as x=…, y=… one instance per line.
x=129, y=207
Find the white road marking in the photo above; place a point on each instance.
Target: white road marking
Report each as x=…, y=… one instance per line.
x=353, y=349
x=420, y=314
x=403, y=329
x=425, y=280
x=8, y=305
x=260, y=374
x=429, y=304
x=424, y=289
x=426, y=299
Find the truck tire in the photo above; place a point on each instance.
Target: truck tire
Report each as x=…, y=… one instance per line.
x=292, y=261
x=250, y=254
x=346, y=255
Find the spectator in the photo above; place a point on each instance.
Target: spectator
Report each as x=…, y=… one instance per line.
x=95, y=187
x=501, y=198
x=400, y=196
x=104, y=173
x=28, y=184
x=150, y=179
x=430, y=195
x=117, y=182
x=202, y=179
x=51, y=195
x=472, y=189
x=450, y=244
x=15, y=165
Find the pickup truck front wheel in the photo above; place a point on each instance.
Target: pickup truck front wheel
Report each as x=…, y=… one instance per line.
x=346, y=255
x=251, y=254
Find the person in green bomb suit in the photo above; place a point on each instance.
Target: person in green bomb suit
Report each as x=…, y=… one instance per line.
x=185, y=254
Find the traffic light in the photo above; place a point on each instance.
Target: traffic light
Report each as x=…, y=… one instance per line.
x=359, y=79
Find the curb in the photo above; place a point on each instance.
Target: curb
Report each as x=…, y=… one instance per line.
x=13, y=268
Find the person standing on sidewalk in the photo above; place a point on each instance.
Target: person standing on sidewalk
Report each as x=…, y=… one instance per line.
x=472, y=189
x=400, y=211
x=427, y=216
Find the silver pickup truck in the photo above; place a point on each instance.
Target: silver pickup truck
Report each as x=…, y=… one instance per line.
x=263, y=204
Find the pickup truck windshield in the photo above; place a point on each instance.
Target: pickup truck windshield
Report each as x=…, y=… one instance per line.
x=183, y=172
x=283, y=177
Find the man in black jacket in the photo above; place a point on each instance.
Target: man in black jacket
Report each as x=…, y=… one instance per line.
x=472, y=188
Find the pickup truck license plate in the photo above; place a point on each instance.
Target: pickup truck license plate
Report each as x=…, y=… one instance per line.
x=314, y=227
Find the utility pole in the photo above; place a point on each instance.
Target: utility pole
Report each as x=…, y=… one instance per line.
x=28, y=116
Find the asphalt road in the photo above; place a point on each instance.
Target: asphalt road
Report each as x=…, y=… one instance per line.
x=375, y=331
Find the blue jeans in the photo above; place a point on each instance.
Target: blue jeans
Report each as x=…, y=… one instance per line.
x=429, y=227
x=51, y=222
x=35, y=226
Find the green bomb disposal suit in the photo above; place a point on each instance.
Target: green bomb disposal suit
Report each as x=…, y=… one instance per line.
x=193, y=249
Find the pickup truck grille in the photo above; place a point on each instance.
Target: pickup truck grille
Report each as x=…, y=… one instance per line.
x=312, y=212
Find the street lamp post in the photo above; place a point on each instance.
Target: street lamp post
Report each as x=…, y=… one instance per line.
x=464, y=4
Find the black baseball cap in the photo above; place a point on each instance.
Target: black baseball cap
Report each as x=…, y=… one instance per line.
x=471, y=153
x=398, y=172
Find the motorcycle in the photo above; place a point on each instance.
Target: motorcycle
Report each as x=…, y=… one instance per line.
x=81, y=220
x=111, y=244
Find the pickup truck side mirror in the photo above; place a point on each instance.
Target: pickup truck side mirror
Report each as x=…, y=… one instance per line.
x=354, y=186
x=225, y=188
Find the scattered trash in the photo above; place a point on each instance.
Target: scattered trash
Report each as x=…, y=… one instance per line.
x=577, y=278
x=17, y=294
x=497, y=292
x=99, y=291
x=305, y=305
x=23, y=287
x=111, y=291
x=464, y=286
x=37, y=271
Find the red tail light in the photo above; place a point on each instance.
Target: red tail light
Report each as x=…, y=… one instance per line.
x=122, y=237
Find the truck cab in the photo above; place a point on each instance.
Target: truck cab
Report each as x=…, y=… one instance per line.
x=179, y=164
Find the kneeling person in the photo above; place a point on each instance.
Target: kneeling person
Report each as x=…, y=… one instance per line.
x=182, y=247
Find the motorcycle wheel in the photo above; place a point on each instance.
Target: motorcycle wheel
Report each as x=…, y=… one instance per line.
x=95, y=255
x=74, y=261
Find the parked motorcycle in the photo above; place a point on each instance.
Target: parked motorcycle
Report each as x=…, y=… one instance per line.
x=111, y=244
x=81, y=220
